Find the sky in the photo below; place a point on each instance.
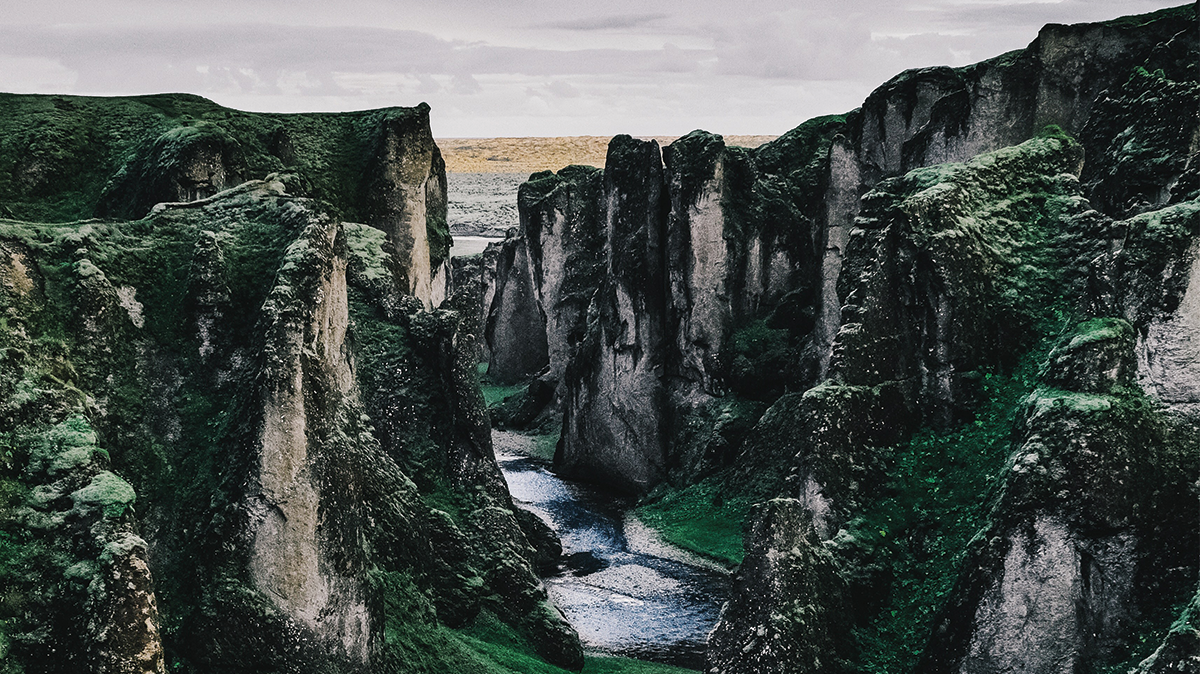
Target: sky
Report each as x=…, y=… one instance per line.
x=520, y=67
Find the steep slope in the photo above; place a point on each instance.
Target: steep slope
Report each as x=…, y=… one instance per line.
x=890, y=285
x=234, y=441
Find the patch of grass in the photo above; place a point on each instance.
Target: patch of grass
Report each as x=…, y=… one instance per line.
x=545, y=444
x=698, y=519
x=502, y=651
x=494, y=394
x=937, y=500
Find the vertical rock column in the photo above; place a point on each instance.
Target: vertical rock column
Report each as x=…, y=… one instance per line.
x=698, y=258
x=309, y=374
x=408, y=194
x=614, y=410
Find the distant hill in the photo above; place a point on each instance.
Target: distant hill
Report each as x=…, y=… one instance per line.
x=528, y=155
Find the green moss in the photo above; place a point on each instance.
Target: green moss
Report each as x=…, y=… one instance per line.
x=1096, y=330
x=365, y=246
x=107, y=492
x=759, y=361
x=66, y=446
x=1045, y=400
x=937, y=499
x=545, y=444
x=700, y=519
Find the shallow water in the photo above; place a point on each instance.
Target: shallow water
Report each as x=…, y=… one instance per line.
x=471, y=245
x=621, y=599
x=482, y=203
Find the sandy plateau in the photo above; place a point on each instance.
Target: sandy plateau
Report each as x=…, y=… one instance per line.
x=528, y=155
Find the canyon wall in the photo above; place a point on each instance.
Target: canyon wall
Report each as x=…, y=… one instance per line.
x=238, y=438
x=963, y=310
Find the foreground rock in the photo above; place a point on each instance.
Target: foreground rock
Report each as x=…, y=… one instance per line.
x=240, y=442
x=790, y=608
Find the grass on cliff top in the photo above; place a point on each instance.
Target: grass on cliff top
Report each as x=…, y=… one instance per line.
x=57, y=153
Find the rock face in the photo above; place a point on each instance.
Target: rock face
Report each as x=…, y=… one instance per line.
x=798, y=611
x=238, y=441
x=546, y=275
x=869, y=279
x=613, y=413
x=763, y=235
x=1072, y=555
x=378, y=167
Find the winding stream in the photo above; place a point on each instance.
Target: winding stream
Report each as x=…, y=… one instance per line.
x=626, y=593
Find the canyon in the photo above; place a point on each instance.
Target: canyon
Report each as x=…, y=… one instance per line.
x=921, y=377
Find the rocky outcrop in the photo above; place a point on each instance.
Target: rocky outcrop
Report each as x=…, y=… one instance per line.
x=307, y=449
x=407, y=200
x=546, y=275
x=186, y=163
x=1078, y=547
x=905, y=254
x=614, y=407
x=789, y=611
x=474, y=282
x=764, y=235
x=73, y=158
x=941, y=278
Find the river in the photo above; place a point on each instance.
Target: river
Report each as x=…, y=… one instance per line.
x=624, y=591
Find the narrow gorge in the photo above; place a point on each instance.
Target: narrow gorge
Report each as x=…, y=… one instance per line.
x=909, y=389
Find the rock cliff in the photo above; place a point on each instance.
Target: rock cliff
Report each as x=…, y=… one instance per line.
x=751, y=243
x=72, y=157
x=966, y=310
x=237, y=439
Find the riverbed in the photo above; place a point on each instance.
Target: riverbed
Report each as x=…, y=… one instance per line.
x=625, y=591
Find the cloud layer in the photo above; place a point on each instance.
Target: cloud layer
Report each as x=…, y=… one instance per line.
x=528, y=67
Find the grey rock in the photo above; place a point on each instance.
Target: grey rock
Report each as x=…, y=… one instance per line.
x=789, y=610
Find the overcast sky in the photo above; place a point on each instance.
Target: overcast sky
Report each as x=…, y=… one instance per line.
x=520, y=67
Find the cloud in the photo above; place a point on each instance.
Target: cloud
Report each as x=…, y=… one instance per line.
x=35, y=74
x=611, y=22
x=640, y=66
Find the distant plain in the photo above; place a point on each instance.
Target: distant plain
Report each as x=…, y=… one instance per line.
x=529, y=155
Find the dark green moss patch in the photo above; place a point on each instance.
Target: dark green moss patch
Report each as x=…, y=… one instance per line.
x=936, y=500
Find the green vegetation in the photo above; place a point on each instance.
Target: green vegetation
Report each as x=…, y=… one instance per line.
x=759, y=361
x=937, y=500
x=416, y=644
x=699, y=519
x=504, y=652
x=65, y=158
x=544, y=444
x=494, y=394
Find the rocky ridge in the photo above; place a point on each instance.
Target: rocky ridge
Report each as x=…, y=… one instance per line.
x=889, y=282
x=238, y=439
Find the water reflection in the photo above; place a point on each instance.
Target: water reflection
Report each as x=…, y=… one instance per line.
x=620, y=600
